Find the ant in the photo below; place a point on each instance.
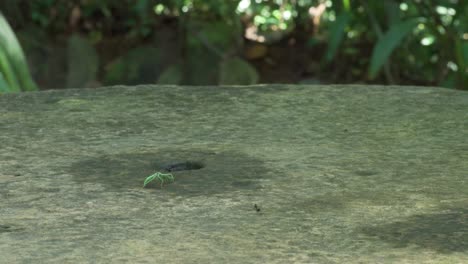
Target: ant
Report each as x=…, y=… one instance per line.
x=256, y=208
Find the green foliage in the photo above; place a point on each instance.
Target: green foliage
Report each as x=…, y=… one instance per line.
x=82, y=62
x=461, y=54
x=4, y=87
x=337, y=33
x=138, y=65
x=388, y=42
x=171, y=75
x=391, y=41
x=236, y=71
x=10, y=82
x=14, y=72
x=414, y=41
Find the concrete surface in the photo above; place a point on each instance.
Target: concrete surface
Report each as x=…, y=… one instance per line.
x=338, y=174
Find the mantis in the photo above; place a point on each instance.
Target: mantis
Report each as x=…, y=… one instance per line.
x=160, y=176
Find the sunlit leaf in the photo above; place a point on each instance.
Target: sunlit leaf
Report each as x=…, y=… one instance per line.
x=428, y=40
x=347, y=5
x=388, y=42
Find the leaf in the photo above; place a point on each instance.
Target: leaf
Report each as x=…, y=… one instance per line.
x=237, y=71
x=337, y=32
x=206, y=75
x=461, y=55
x=347, y=5
x=139, y=65
x=4, y=87
x=8, y=75
x=388, y=42
x=13, y=63
x=171, y=75
x=450, y=81
x=82, y=62
x=115, y=72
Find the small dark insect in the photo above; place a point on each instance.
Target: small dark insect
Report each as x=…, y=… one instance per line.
x=256, y=208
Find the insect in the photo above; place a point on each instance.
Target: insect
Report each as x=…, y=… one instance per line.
x=160, y=176
x=256, y=208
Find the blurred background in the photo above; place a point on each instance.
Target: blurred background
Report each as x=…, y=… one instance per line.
x=57, y=44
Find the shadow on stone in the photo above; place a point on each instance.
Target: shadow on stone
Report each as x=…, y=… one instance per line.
x=183, y=166
x=196, y=172
x=445, y=232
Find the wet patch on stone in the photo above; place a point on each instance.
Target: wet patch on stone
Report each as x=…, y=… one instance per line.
x=365, y=172
x=196, y=172
x=7, y=228
x=181, y=166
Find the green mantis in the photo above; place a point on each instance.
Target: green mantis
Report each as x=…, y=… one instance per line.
x=160, y=176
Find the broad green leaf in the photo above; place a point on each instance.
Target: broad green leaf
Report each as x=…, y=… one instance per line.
x=392, y=11
x=347, y=5
x=8, y=74
x=206, y=75
x=461, y=55
x=13, y=60
x=115, y=72
x=171, y=75
x=337, y=32
x=216, y=37
x=141, y=64
x=450, y=81
x=82, y=62
x=4, y=87
x=388, y=42
x=236, y=71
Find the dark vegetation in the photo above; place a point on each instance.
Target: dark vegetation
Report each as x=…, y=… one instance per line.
x=91, y=43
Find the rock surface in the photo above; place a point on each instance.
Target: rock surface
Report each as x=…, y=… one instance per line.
x=338, y=174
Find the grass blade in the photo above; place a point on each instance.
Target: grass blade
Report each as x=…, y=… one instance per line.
x=9, y=81
x=13, y=64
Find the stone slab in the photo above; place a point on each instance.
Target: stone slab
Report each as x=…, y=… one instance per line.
x=338, y=174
